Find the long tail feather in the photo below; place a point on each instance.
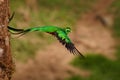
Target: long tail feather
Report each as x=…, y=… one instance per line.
x=19, y=32
x=14, y=29
x=11, y=17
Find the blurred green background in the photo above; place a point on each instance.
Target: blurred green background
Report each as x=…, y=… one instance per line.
x=30, y=13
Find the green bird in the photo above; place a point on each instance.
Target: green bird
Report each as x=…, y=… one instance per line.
x=60, y=33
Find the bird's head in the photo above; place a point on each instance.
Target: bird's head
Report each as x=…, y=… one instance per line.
x=67, y=30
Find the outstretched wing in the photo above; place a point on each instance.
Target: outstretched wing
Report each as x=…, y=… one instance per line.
x=69, y=45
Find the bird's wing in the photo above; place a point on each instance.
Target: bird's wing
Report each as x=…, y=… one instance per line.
x=67, y=43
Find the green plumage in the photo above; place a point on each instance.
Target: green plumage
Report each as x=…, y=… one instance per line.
x=60, y=33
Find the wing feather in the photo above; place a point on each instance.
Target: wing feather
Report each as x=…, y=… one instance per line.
x=69, y=46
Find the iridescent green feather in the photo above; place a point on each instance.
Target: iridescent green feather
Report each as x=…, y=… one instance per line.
x=60, y=33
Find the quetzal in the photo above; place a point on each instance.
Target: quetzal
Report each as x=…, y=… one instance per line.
x=60, y=33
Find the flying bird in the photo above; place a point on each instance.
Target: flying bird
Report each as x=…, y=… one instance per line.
x=60, y=33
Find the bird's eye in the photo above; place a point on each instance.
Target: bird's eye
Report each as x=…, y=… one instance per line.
x=68, y=30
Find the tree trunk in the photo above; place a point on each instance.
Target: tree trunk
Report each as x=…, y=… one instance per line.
x=6, y=63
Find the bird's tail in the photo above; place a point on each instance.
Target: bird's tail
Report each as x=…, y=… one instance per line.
x=19, y=32
x=16, y=31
